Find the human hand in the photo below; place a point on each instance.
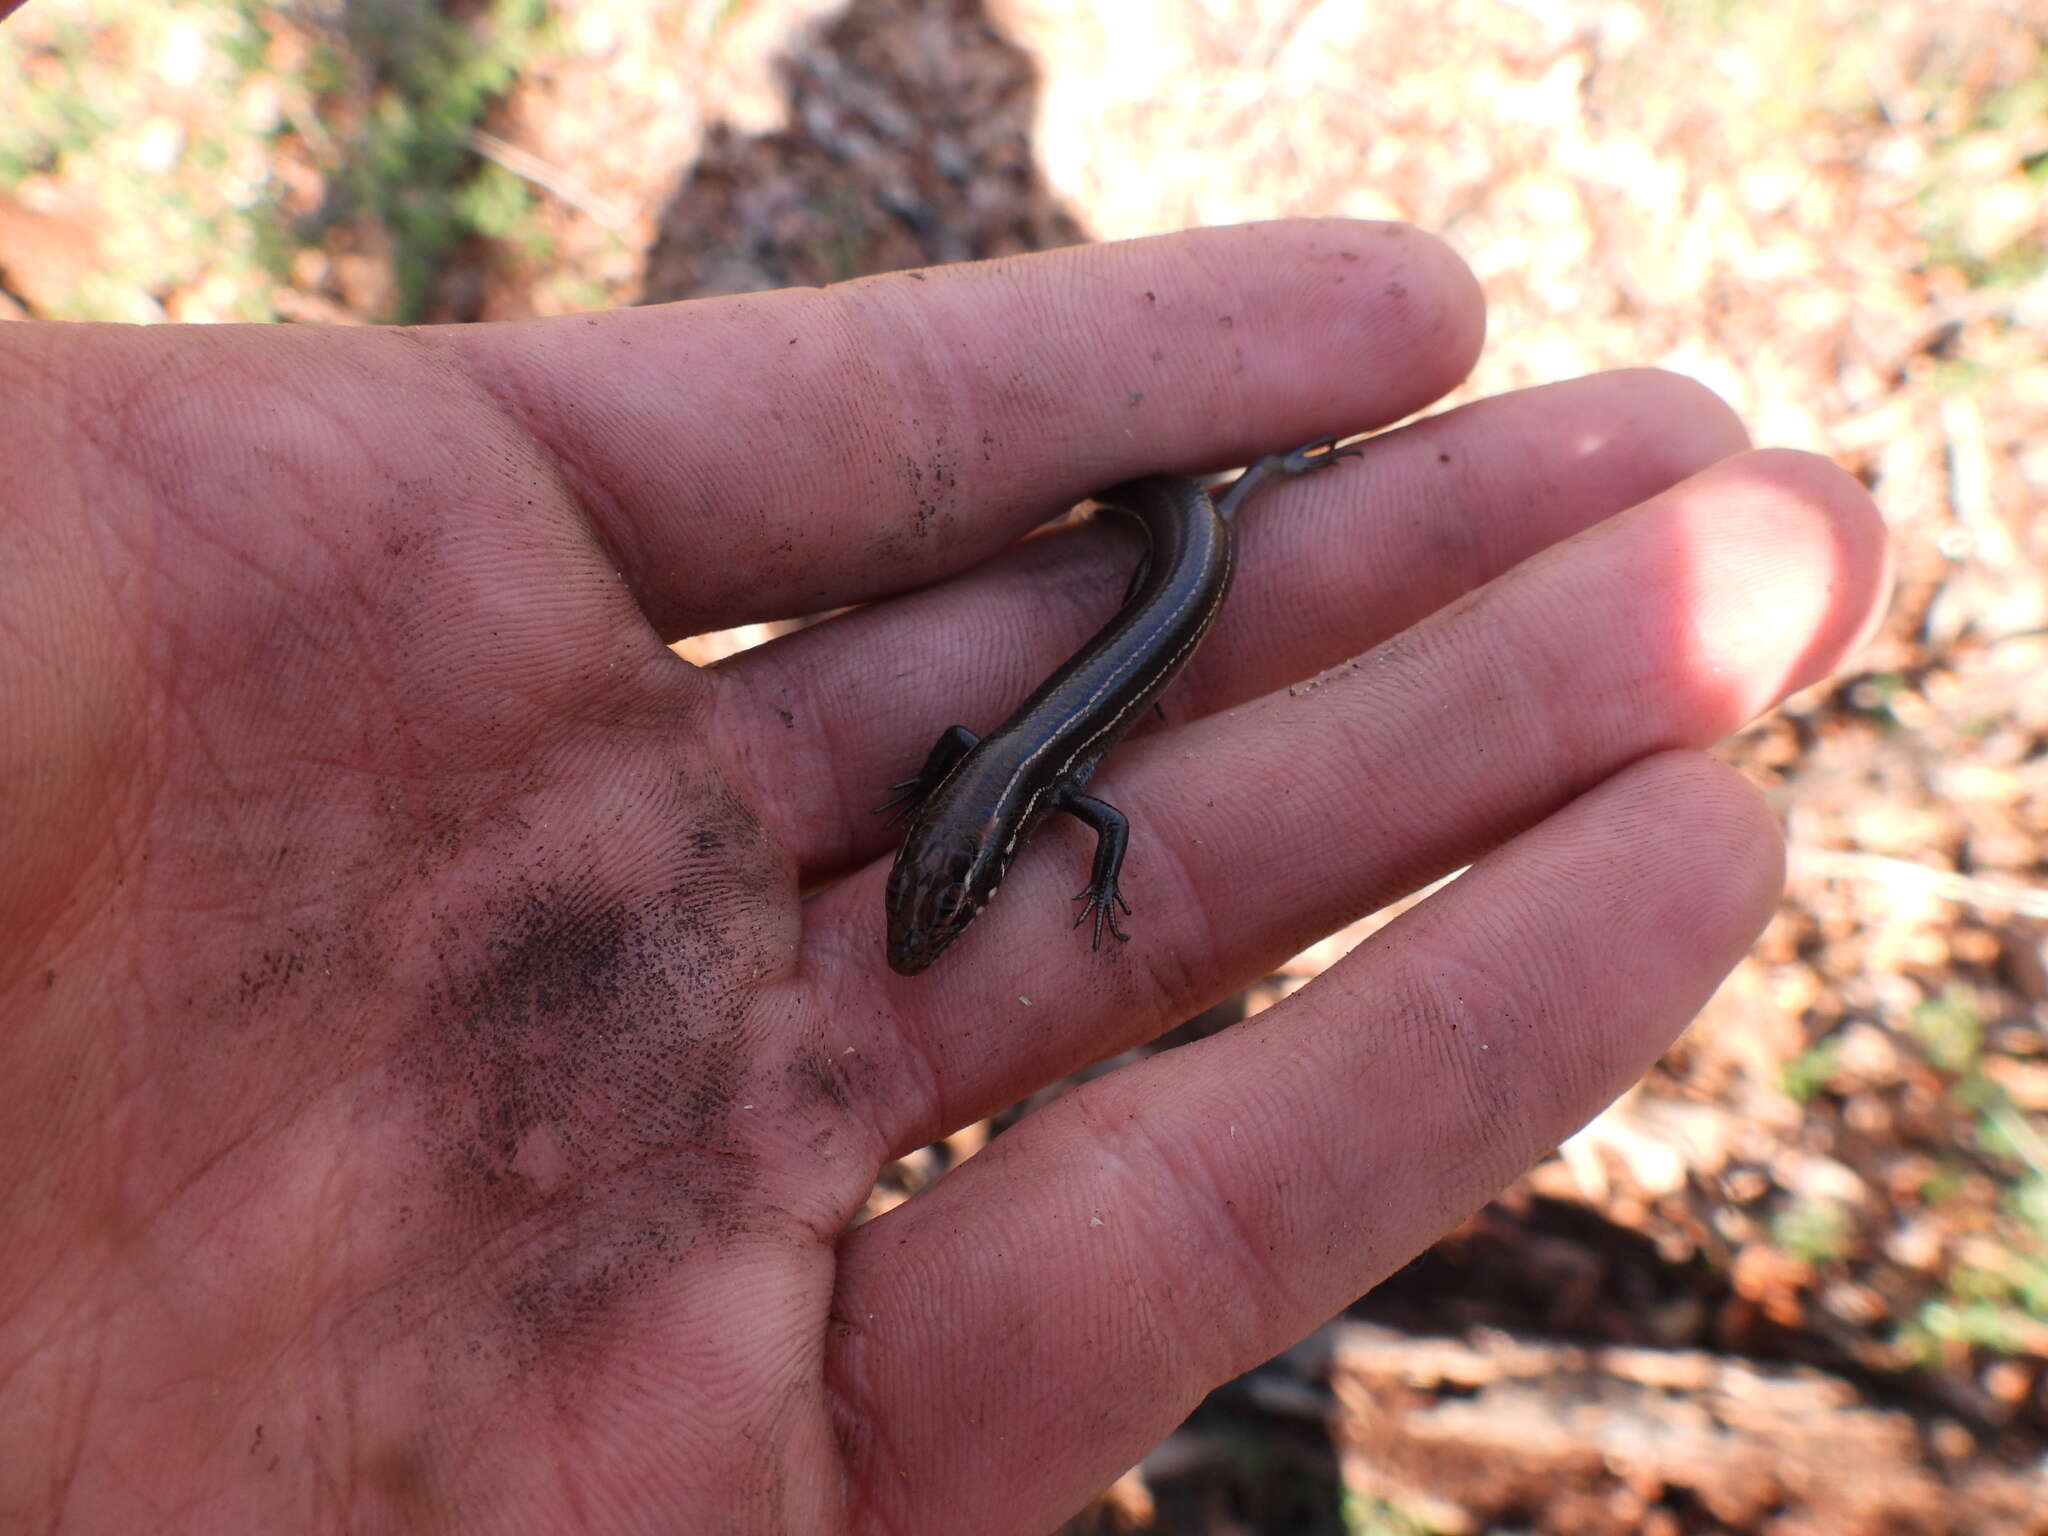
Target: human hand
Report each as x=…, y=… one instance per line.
x=429, y=1096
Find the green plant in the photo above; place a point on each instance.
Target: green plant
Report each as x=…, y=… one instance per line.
x=1814, y=1231
x=429, y=77
x=1366, y=1516
x=1871, y=697
x=1998, y=1302
x=1949, y=1029
x=1806, y=1075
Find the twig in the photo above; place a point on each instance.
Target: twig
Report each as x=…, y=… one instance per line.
x=530, y=167
x=1968, y=890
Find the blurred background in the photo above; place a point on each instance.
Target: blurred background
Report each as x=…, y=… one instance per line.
x=1795, y=1282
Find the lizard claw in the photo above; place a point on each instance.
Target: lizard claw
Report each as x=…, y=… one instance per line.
x=900, y=805
x=1101, y=904
x=1320, y=454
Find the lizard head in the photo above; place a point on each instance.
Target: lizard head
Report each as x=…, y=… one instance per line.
x=942, y=879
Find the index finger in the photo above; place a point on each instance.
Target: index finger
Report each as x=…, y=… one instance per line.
x=781, y=453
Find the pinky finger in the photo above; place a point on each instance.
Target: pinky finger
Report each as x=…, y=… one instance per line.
x=1086, y=1279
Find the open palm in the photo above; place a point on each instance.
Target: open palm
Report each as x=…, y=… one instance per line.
x=444, y=1036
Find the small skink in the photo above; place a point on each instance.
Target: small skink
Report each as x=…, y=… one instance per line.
x=974, y=802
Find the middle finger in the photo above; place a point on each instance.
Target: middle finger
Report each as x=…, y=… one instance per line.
x=1256, y=831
